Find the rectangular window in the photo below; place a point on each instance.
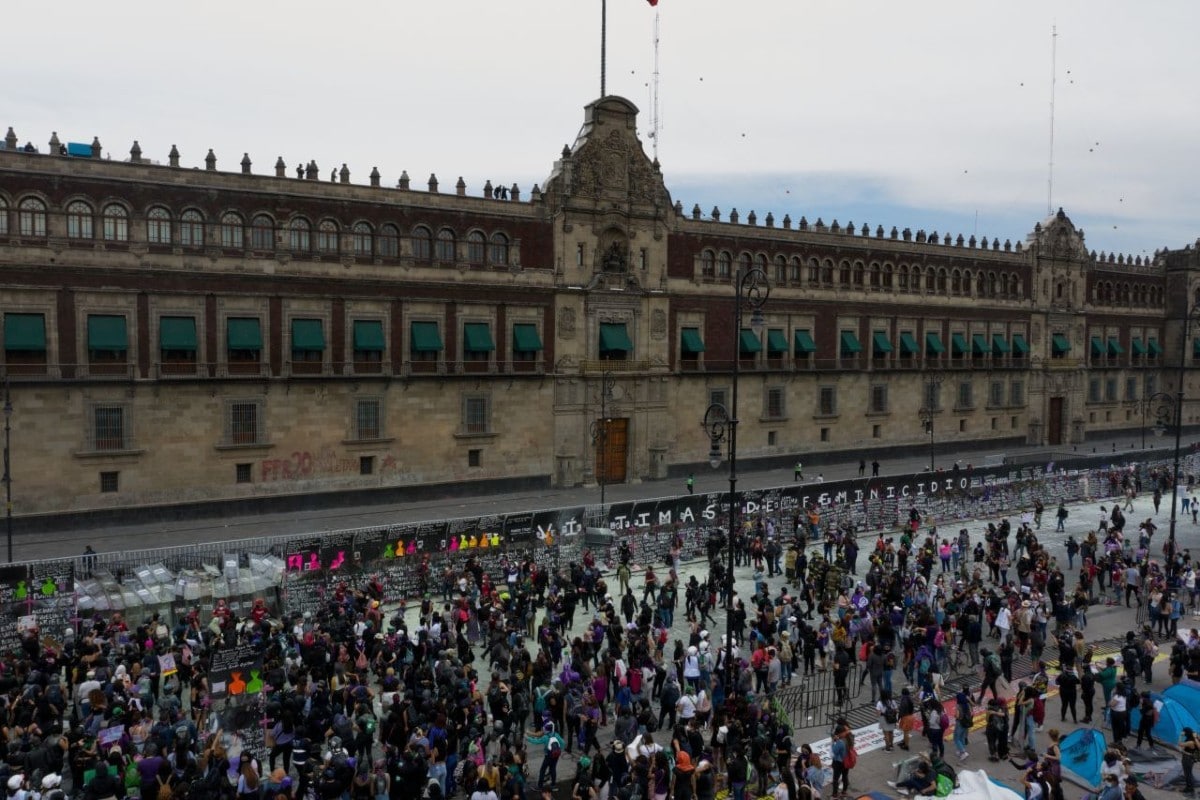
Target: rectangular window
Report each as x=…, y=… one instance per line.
x=243, y=341
x=774, y=403
x=1131, y=388
x=824, y=434
x=718, y=397
x=25, y=342
x=308, y=341
x=369, y=345
x=244, y=422
x=110, y=482
x=232, y=236
x=108, y=428
x=366, y=465
x=177, y=343
x=827, y=401
x=615, y=344
x=366, y=419
x=476, y=415
x=1110, y=390
x=474, y=458
x=965, y=399
x=526, y=342
x=1016, y=394
x=996, y=394
x=477, y=342
x=879, y=398
x=108, y=342
x=425, y=342
x=1094, y=390
x=933, y=395
x=1151, y=385
x=242, y=473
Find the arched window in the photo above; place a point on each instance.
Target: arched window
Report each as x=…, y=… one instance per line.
x=476, y=248
x=814, y=271
x=3, y=217
x=724, y=265
x=1014, y=286
x=916, y=279
x=780, y=270
x=446, y=246
x=422, y=243
x=875, y=276
x=887, y=276
x=362, y=239
x=79, y=220
x=498, y=252
x=262, y=232
x=827, y=272
x=389, y=241
x=844, y=273
x=233, y=234
x=903, y=278
x=859, y=273
x=158, y=226
x=797, y=270
x=191, y=229
x=299, y=235
x=942, y=277
x=744, y=263
x=31, y=217
x=966, y=282
x=956, y=282
x=327, y=236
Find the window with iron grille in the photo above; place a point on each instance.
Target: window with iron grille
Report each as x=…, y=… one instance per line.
x=244, y=422
x=996, y=394
x=366, y=419
x=1110, y=390
x=1131, y=388
x=774, y=407
x=243, y=473
x=476, y=414
x=965, y=399
x=1094, y=390
x=1017, y=394
x=109, y=428
x=718, y=397
x=879, y=399
x=827, y=401
x=110, y=481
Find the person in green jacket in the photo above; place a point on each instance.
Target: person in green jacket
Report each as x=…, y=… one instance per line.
x=1108, y=678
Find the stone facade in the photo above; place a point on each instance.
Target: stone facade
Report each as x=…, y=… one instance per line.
x=178, y=335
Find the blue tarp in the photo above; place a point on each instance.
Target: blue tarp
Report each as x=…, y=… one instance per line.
x=1173, y=717
x=79, y=149
x=1082, y=754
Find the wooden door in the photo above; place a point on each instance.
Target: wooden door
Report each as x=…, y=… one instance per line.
x=1054, y=423
x=611, y=451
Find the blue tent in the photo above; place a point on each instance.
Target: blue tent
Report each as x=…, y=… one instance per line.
x=1173, y=717
x=1186, y=692
x=1082, y=754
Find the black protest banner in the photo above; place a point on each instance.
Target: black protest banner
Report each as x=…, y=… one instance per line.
x=235, y=672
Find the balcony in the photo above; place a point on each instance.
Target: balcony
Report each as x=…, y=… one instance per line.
x=600, y=365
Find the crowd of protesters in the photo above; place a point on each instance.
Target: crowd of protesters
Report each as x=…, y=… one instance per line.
x=483, y=688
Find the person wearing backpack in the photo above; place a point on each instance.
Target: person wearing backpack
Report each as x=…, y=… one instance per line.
x=936, y=721
x=889, y=715
x=843, y=755
x=908, y=717
x=554, y=751
x=992, y=670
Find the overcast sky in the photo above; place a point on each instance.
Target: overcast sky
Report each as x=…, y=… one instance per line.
x=932, y=114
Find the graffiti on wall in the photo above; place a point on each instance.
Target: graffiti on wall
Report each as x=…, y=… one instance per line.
x=305, y=464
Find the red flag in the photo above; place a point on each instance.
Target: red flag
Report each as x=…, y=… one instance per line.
x=652, y=2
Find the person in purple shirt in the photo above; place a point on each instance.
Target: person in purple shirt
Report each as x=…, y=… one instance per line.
x=148, y=769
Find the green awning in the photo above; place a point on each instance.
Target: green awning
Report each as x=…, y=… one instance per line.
x=1059, y=344
x=908, y=344
x=749, y=343
x=690, y=343
x=776, y=342
x=243, y=333
x=308, y=335
x=1020, y=346
x=1114, y=346
x=804, y=343
x=1154, y=347
x=933, y=344
x=425, y=338
x=477, y=337
x=25, y=332
x=525, y=338
x=1097, y=346
x=999, y=344
x=1139, y=349
x=177, y=333
x=613, y=337
x=880, y=342
x=368, y=335
x=958, y=344
x=850, y=345
x=979, y=345
x=107, y=332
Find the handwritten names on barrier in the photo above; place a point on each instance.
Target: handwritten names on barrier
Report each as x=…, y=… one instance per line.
x=235, y=671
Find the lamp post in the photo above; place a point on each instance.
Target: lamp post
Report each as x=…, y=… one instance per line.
x=1192, y=316
x=1162, y=415
x=751, y=294
x=8, y=411
x=929, y=410
x=599, y=430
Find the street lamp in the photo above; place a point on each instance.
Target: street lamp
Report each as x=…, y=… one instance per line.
x=8, y=412
x=928, y=412
x=1188, y=319
x=719, y=421
x=1163, y=405
x=599, y=430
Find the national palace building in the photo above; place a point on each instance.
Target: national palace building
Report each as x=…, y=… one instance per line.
x=174, y=334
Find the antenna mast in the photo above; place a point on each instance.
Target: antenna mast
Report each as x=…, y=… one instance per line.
x=603, y=42
x=1053, y=83
x=655, y=119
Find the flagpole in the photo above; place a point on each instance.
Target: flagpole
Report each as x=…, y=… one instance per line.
x=603, y=40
